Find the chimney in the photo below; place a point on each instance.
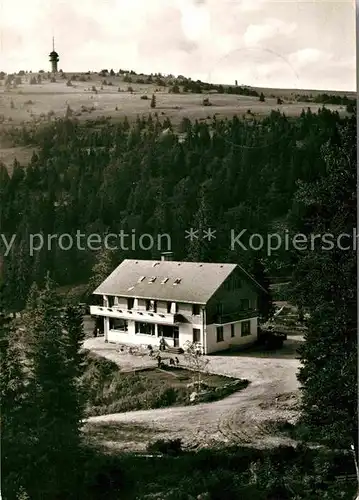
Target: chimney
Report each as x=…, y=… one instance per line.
x=167, y=256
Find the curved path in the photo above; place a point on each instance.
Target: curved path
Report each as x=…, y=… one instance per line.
x=244, y=417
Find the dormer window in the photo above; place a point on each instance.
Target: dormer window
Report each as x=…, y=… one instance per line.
x=177, y=281
x=141, y=279
x=152, y=280
x=164, y=281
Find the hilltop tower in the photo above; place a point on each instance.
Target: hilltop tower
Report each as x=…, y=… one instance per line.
x=54, y=57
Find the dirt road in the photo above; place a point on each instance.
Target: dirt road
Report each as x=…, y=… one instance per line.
x=246, y=417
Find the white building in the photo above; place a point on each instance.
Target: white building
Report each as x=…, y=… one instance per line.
x=209, y=303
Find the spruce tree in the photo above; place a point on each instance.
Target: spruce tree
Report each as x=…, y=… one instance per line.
x=53, y=354
x=153, y=101
x=324, y=281
x=101, y=269
x=17, y=419
x=265, y=302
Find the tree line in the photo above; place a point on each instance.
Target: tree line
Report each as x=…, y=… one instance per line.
x=285, y=175
x=102, y=177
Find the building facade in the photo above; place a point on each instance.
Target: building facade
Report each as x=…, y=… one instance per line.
x=214, y=305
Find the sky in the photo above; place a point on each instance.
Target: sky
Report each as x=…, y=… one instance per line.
x=282, y=44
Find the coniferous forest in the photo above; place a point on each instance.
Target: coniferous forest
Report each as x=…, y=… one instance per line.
x=278, y=175
x=103, y=178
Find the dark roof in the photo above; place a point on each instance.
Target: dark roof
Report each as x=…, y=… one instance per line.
x=198, y=281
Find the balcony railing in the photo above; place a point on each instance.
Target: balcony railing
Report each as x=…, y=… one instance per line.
x=135, y=314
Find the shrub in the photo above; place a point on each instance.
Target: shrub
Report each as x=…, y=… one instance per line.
x=279, y=100
x=174, y=89
x=206, y=102
x=144, y=97
x=69, y=112
x=185, y=124
x=167, y=398
x=153, y=101
x=166, y=447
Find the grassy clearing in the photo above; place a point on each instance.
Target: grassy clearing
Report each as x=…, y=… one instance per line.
x=110, y=391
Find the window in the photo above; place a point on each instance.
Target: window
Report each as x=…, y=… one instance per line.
x=166, y=331
x=145, y=328
x=196, y=335
x=245, y=328
x=154, y=305
x=169, y=305
x=176, y=307
x=148, y=305
x=244, y=304
x=118, y=324
x=219, y=333
x=130, y=303
x=232, y=329
x=111, y=301
x=196, y=310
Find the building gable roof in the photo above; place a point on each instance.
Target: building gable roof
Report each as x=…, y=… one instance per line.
x=192, y=282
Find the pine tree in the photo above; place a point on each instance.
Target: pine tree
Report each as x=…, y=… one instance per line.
x=53, y=353
x=265, y=302
x=73, y=322
x=199, y=250
x=101, y=269
x=153, y=101
x=324, y=281
x=16, y=416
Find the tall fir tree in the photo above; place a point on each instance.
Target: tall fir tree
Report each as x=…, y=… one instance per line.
x=103, y=266
x=53, y=352
x=265, y=300
x=325, y=282
x=17, y=417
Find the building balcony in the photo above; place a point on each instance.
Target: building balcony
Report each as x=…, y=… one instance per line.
x=136, y=315
x=222, y=319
